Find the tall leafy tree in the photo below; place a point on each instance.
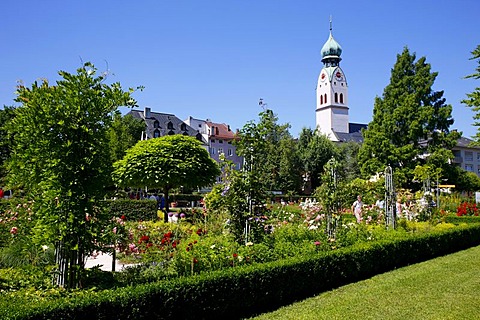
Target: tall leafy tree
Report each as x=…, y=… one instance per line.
x=410, y=123
x=61, y=159
x=473, y=99
x=6, y=139
x=165, y=163
x=348, y=155
x=271, y=167
x=314, y=151
x=124, y=133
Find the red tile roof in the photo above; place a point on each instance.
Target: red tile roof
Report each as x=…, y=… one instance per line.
x=222, y=131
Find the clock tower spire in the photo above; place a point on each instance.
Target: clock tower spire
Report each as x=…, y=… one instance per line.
x=332, y=92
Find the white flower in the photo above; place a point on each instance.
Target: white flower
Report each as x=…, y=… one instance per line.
x=249, y=244
x=212, y=246
x=44, y=248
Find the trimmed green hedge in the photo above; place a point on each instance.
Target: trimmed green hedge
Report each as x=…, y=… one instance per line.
x=134, y=210
x=245, y=291
x=462, y=219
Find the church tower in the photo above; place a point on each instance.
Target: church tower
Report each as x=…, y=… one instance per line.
x=332, y=92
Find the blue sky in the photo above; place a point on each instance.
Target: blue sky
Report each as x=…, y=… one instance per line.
x=216, y=59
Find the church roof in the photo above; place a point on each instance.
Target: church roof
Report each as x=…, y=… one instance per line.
x=331, y=48
x=347, y=137
x=354, y=133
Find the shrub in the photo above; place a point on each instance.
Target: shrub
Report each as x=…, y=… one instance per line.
x=248, y=290
x=133, y=210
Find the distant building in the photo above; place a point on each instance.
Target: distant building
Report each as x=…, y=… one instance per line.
x=164, y=124
x=219, y=138
x=467, y=156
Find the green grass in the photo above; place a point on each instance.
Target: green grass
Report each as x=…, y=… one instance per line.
x=444, y=288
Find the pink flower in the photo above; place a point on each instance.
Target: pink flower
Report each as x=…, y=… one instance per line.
x=14, y=230
x=115, y=230
x=317, y=243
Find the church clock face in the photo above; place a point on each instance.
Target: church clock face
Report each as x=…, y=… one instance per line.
x=338, y=76
x=323, y=77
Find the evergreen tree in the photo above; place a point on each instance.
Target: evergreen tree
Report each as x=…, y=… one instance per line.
x=473, y=100
x=410, y=123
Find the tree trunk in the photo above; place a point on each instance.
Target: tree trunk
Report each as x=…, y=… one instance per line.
x=167, y=202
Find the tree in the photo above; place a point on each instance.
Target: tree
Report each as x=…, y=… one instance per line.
x=271, y=166
x=61, y=160
x=165, y=163
x=348, y=155
x=6, y=140
x=473, y=100
x=410, y=123
x=314, y=150
x=123, y=134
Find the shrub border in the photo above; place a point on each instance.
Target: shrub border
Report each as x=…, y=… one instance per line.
x=246, y=291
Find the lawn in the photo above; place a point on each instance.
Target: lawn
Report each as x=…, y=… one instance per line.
x=444, y=288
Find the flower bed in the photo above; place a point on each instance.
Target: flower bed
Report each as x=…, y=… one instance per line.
x=244, y=291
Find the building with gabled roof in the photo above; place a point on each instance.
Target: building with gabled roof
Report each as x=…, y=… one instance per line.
x=219, y=137
x=162, y=124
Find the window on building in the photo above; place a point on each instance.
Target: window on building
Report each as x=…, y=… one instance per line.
x=469, y=167
x=171, y=133
x=183, y=127
x=212, y=150
x=170, y=125
x=220, y=141
x=156, y=124
x=468, y=156
x=213, y=140
x=478, y=156
x=341, y=97
x=336, y=97
x=321, y=99
x=220, y=150
x=156, y=133
x=230, y=152
x=325, y=97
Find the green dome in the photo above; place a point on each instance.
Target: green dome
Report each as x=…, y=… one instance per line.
x=331, y=48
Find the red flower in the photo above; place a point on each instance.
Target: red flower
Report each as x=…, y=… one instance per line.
x=144, y=239
x=14, y=230
x=235, y=255
x=123, y=217
x=195, y=260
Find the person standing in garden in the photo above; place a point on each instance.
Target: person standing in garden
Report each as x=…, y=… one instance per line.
x=357, y=208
